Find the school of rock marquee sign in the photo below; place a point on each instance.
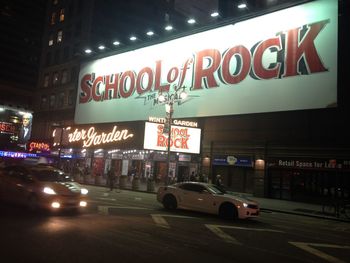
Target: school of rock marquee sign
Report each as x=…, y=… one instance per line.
x=265, y=64
x=183, y=139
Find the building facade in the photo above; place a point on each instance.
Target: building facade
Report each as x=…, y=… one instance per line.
x=269, y=142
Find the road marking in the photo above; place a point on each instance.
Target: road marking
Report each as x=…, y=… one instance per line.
x=132, y=207
x=161, y=222
x=217, y=229
x=307, y=247
x=109, y=199
x=227, y=238
x=104, y=209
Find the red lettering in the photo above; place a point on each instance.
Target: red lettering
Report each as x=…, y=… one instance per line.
x=242, y=56
x=158, y=86
x=184, y=143
x=111, y=86
x=140, y=77
x=162, y=141
x=96, y=96
x=296, y=49
x=206, y=74
x=259, y=70
x=85, y=94
x=123, y=81
x=172, y=74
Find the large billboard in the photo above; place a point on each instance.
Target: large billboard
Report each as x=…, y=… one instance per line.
x=286, y=60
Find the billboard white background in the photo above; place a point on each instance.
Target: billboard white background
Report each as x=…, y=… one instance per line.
x=188, y=139
x=249, y=96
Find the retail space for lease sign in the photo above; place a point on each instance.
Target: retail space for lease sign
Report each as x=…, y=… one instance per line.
x=183, y=139
x=285, y=60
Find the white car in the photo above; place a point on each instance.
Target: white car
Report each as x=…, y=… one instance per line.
x=207, y=198
x=41, y=186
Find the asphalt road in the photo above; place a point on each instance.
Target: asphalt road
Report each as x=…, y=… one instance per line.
x=126, y=226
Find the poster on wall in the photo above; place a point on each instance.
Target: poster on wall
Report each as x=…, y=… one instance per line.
x=264, y=64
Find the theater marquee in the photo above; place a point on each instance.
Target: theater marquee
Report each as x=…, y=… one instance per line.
x=265, y=64
x=183, y=139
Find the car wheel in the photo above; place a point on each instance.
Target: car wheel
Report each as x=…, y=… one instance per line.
x=33, y=203
x=169, y=202
x=228, y=211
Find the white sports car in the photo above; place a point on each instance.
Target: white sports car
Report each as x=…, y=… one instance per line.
x=206, y=198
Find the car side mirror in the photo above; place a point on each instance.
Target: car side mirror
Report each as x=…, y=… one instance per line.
x=206, y=192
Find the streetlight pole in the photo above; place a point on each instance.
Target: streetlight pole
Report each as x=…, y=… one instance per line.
x=169, y=104
x=169, y=122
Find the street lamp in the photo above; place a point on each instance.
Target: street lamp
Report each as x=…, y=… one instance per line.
x=169, y=100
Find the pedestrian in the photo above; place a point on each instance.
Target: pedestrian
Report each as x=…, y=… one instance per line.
x=218, y=181
x=192, y=177
x=111, y=178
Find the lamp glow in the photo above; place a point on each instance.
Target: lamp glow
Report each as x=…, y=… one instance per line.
x=49, y=191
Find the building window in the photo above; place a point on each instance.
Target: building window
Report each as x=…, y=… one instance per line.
x=60, y=102
x=57, y=56
x=59, y=36
x=66, y=52
x=48, y=59
x=71, y=97
x=43, y=102
x=52, y=101
x=55, y=78
x=50, y=40
x=64, y=76
x=53, y=18
x=62, y=15
x=46, y=80
x=68, y=34
x=78, y=29
x=74, y=73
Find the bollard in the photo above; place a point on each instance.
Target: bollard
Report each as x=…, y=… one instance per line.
x=150, y=185
x=97, y=180
x=135, y=183
x=122, y=181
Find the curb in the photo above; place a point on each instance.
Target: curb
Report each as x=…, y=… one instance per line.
x=305, y=214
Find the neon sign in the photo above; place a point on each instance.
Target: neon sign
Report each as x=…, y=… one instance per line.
x=91, y=137
x=6, y=127
x=39, y=146
x=16, y=154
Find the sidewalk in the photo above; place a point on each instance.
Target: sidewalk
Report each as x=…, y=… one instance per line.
x=266, y=204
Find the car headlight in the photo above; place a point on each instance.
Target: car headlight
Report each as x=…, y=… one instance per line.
x=84, y=191
x=49, y=191
x=245, y=205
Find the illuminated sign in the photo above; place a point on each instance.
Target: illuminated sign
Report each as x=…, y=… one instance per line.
x=90, y=136
x=16, y=154
x=310, y=163
x=176, y=122
x=183, y=139
x=6, y=127
x=39, y=146
x=232, y=160
x=264, y=64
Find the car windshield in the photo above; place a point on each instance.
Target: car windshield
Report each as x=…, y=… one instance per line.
x=51, y=176
x=216, y=189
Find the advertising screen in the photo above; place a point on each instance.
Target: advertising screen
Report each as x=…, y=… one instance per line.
x=15, y=128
